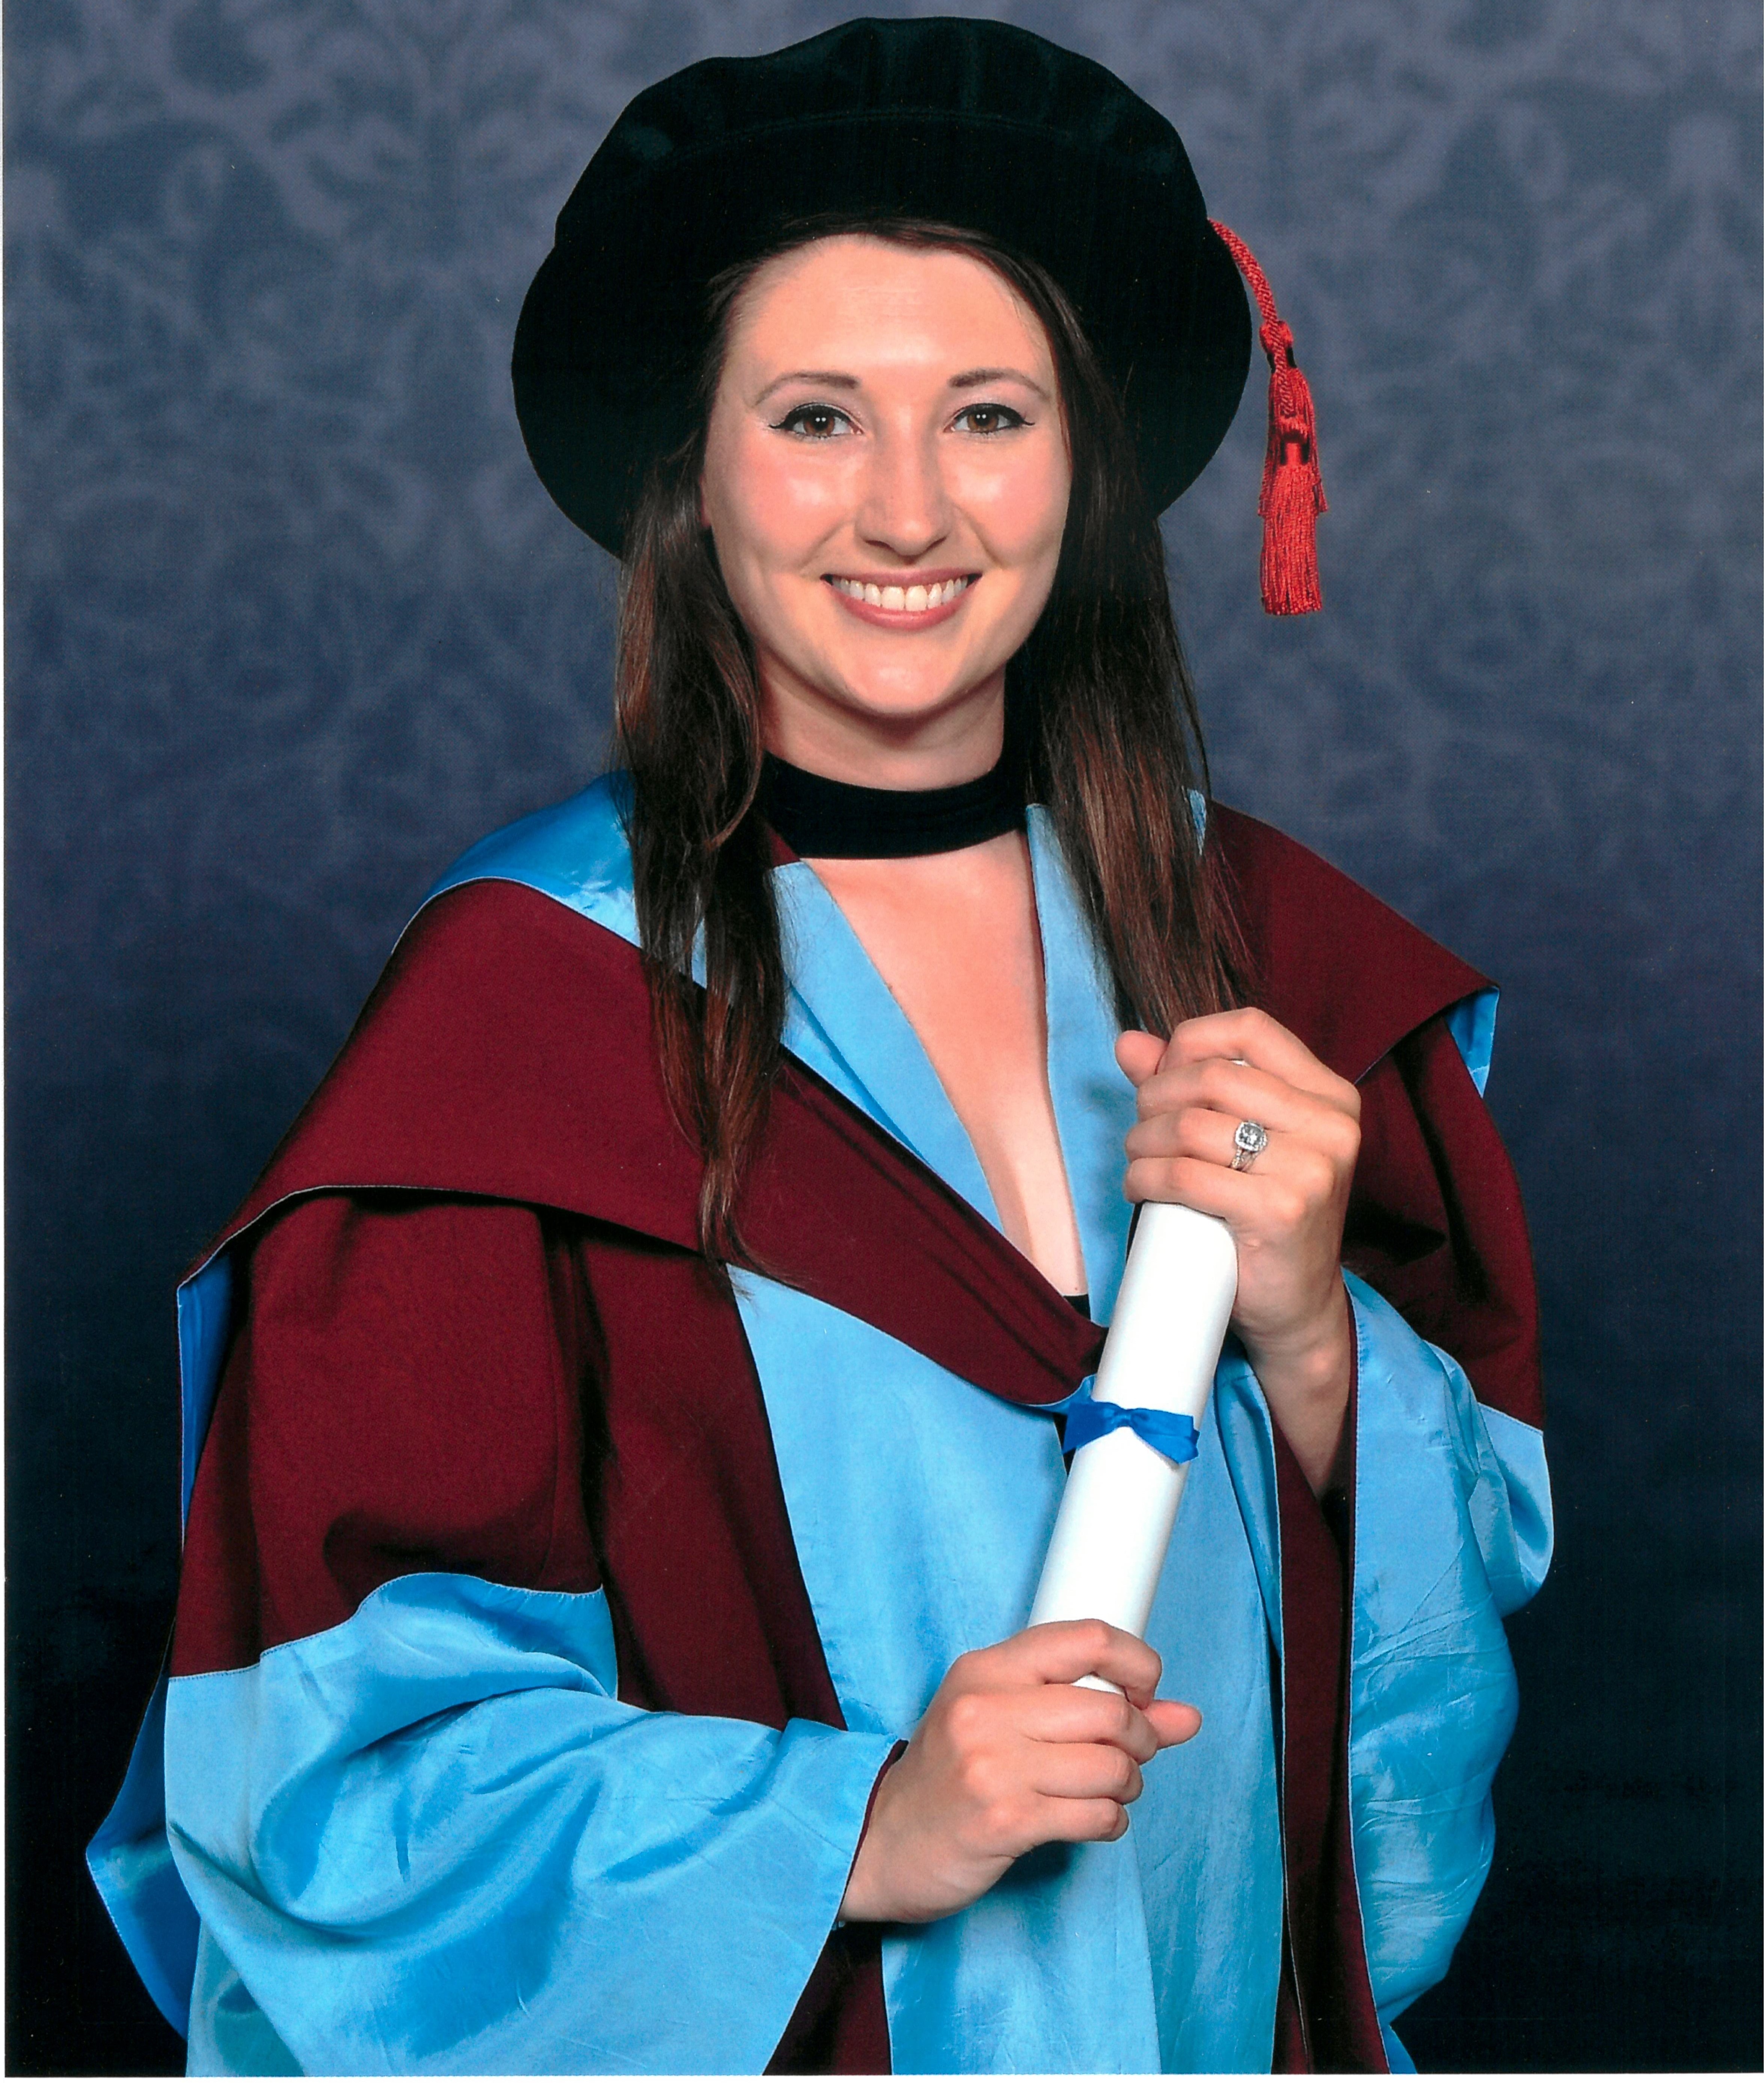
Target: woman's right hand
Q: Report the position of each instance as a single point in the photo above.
(1012, 1754)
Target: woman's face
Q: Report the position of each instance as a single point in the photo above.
(886, 480)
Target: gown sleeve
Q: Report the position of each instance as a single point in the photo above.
(1450, 1525)
(420, 1828)
(1451, 1532)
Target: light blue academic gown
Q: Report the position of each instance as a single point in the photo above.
(432, 1839)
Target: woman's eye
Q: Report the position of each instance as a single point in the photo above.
(818, 422)
(988, 419)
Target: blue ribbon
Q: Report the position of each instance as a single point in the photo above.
(1171, 1434)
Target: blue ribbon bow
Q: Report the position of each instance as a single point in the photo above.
(1167, 1431)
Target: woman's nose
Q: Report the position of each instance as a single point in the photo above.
(905, 506)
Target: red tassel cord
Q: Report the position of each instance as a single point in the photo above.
(1291, 477)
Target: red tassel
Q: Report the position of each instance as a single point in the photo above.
(1292, 476)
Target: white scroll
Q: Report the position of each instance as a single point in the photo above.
(1122, 1495)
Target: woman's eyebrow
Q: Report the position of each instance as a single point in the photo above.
(839, 379)
(834, 379)
(970, 377)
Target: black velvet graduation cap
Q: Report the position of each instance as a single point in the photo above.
(969, 123)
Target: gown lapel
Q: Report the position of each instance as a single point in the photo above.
(845, 1022)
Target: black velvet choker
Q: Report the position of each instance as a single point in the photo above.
(823, 820)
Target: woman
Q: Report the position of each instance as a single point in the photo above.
(635, 1384)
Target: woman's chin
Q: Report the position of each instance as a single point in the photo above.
(895, 719)
(850, 701)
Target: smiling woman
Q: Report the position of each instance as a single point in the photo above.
(626, 1420)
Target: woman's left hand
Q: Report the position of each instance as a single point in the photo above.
(1285, 1211)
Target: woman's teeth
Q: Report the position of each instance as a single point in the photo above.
(910, 600)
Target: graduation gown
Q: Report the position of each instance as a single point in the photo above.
(551, 1601)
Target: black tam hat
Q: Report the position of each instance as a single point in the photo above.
(972, 124)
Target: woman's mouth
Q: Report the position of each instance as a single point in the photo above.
(897, 607)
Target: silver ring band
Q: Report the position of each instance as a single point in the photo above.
(1251, 1140)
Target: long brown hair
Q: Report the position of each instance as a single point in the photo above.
(1100, 703)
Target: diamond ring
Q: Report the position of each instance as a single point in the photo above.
(1251, 1140)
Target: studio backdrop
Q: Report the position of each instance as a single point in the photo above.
(289, 621)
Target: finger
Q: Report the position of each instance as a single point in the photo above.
(1058, 1821)
(1256, 1037)
(1080, 1714)
(1286, 1167)
(1173, 1722)
(1256, 1206)
(1139, 1053)
(1246, 1093)
(1060, 1652)
(1211, 1137)
(1084, 1771)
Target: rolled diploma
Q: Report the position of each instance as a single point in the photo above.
(1121, 1497)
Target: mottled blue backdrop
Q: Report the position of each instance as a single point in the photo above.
(289, 621)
